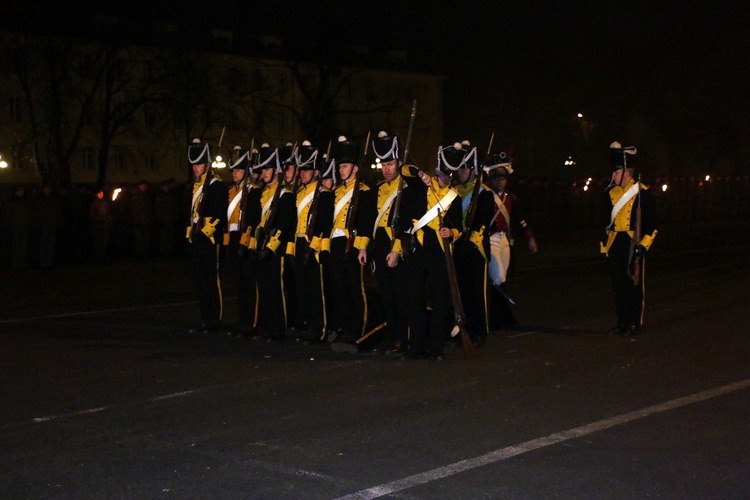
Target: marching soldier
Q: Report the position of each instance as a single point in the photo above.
(385, 252)
(312, 227)
(472, 252)
(439, 224)
(507, 221)
(243, 216)
(276, 228)
(631, 229)
(208, 212)
(350, 236)
(288, 158)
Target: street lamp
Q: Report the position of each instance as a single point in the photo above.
(3, 163)
(218, 163)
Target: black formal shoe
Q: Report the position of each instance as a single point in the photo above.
(271, 336)
(205, 328)
(410, 356)
(197, 330)
(478, 341)
(240, 332)
(618, 330)
(630, 331)
(398, 348)
(349, 347)
(436, 356)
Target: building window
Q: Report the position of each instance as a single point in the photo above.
(148, 71)
(149, 120)
(88, 159)
(151, 162)
(87, 66)
(16, 110)
(120, 160)
(16, 157)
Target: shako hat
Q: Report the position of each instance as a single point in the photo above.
(472, 156)
(198, 152)
(307, 156)
(240, 158)
(499, 163)
(287, 154)
(268, 157)
(346, 151)
(385, 147)
(327, 167)
(451, 158)
(621, 157)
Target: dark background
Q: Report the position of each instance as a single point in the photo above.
(668, 77)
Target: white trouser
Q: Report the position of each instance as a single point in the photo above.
(499, 258)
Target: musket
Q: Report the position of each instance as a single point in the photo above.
(472, 211)
(351, 214)
(458, 308)
(265, 231)
(395, 220)
(312, 215)
(243, 204)
(637, 238)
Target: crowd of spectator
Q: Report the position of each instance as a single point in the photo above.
(42, 227)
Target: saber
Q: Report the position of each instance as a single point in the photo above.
(504, 294)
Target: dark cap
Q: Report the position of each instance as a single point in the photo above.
(621, 157)
(385, 147)
(346, 151)
(307, 156)
(198, 152)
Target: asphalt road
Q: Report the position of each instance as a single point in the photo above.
(104, 395)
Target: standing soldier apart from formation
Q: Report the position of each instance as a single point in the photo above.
(208, 212)
(428, 284)
(243, 216)
(472, 252)
(508, 221)
(276, 229)
(630, 231)
(386, 246)
(349, 239)
(313, 225)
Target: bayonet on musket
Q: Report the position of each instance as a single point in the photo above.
(395, 220)
(351, 214)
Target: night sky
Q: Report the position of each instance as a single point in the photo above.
(673, 73)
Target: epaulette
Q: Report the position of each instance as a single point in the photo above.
(409, 170)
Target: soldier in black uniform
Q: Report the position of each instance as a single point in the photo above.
(243, 216)
(276, 229)
(438, 224)
(472, 252)
(290, 181)
(385, 248)
(350, 236)
(626, 201)
(312, 227)
(208, 212)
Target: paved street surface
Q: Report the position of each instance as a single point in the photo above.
(105, 395)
